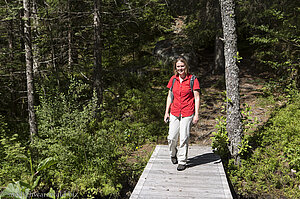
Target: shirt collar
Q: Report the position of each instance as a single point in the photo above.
(188, 76)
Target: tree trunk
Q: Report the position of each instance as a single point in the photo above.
(10, 39)
(53, 50)
(219, 64)
(35, 48)
(98, 52)
(70, 42)
(11, 69)
(29, 69)
(21, 30)
(234, 125)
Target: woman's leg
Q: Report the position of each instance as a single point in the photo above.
(185, 128)
(173, 134)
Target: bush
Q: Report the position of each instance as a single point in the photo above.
(88, 155)
(92, 155)
(12, 167)
(273, 169)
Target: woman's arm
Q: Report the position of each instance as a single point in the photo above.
(168, 104)
(197, 106)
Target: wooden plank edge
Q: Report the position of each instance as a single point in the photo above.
(225, 184)
(139, 186)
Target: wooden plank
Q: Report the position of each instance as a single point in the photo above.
(188, 184)
(224, 181)
(138, 188)
(151, 193)
(204, 178)
(181, 189)
(180, 196)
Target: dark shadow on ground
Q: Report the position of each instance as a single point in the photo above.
(202, 159)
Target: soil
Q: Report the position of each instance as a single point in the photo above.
(252, 81)
(212, 96)
(213, 90)
(212, 100)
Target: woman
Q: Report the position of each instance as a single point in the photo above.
(184, 110)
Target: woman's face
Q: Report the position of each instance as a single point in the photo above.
(180, 67)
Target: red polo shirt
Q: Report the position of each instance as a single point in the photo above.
(184, 102)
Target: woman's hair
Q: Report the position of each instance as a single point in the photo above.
(180, 59)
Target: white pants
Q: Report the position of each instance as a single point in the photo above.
(179, 126)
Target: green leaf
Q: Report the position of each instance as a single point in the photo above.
(15, 190)
(8, 18)
(24, 184)
(51, 193)
(46, 163)
(36, 182)
(22, 157)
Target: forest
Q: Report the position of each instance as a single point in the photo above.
(83, 93)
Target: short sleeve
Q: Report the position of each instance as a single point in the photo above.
(196, 84)
(170, 82)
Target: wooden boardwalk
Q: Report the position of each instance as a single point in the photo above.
(204, 177)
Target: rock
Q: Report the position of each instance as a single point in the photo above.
(167, 51)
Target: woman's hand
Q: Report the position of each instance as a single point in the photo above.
(195, 119)
(167, 117)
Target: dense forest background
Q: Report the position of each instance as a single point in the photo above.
(99, 88)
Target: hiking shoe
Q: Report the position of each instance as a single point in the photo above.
(174, 160)
(181, 167)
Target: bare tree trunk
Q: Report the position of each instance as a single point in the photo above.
(70, 43)
(11, 69)
(35, 48)
(29, 69)
(219, 46)
(53, 51)
(98, 52)
(213, 16)
(21, 30)
(219, 63)
(10, 39)
(234, 125)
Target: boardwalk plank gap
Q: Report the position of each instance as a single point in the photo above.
(204, 177)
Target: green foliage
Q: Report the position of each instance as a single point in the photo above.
(200, 34)
(220, 139)
(15, 190)
(238, 57)
(248, 123)
(275, 36)
(71, 135)
(273, 167)
(201, 24)
(156, 16)
(12, 167)
(17, 165)
(91, 155)
(21, 189)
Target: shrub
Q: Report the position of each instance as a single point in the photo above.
(273, 169)
(12, 167)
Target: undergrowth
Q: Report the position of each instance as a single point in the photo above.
(273, 168)
(270, 164)
(93, 158)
